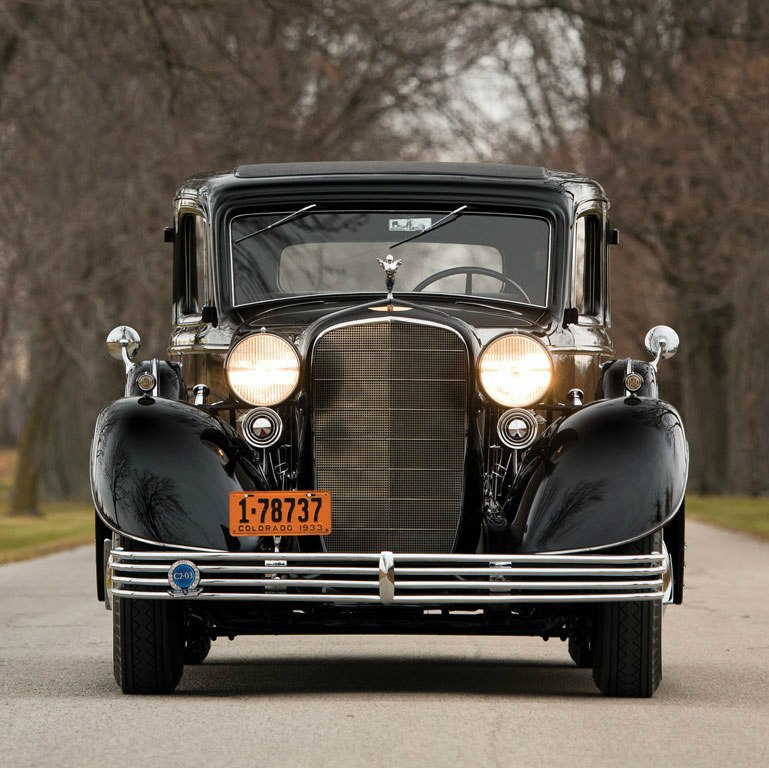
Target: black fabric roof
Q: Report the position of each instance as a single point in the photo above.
(497, 170)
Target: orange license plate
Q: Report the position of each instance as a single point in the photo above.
(279, 513)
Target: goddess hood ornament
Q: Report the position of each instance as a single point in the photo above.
(390, 266)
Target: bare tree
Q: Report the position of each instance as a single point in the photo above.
(665, 102)
(105, 107)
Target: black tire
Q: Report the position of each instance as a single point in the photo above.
(147, 645)
(198, 642)
(627, 640)
(581, 649)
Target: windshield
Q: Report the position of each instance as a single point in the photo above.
(491, 255)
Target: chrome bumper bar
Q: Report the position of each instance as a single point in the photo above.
(392, 579)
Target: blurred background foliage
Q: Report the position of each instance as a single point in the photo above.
(105, 107)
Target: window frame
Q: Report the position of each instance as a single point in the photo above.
(593, 308)
(192, 265)
(527, 213)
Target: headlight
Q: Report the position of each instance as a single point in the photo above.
(515, 370)
(263, 369)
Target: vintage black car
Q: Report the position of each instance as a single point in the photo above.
(390, 405)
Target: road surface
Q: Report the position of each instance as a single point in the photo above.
(387, 701)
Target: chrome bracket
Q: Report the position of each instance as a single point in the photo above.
(107, 554)
(386, 577)
(668, 580)
(129, 364)
(660, 354)
(280, 586)
(201, 392)
(629, 371)
(505, 587)
(575, 396)
(123, 343)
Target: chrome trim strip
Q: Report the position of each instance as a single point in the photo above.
(182, 349)
(582, 349)
(222, 555)
(389, 319)
(256, 582)
(290, 571)
(299, 571)
(566, 598)
(219, 569)
(586, 585)
(111, 526)
(386, 584)
(427, 600)
(549, 572)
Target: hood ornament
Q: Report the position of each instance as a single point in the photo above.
(390, 266)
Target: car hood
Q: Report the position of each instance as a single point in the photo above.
(486, 318)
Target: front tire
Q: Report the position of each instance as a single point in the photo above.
(581, 649)
(627, 640)
(148, 640)
(198, 643)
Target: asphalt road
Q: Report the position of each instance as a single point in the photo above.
(391, 701)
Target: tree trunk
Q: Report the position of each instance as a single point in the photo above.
(705, 398)
(749, 382)
(46, 369)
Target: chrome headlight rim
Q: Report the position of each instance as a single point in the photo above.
(271, 402)
(252, 438)
(517, 404)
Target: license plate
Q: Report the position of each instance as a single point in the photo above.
(279, 513)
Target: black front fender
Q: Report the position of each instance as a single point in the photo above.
(612, 472)
(162, 471)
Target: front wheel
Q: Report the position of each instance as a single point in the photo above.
(581, 649)
(627, 640)
(198, 643)
(147, 645)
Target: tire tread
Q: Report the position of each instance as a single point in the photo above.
(628, 640)
(147, 646)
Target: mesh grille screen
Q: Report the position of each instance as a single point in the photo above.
(389, 419)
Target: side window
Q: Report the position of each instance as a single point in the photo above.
(587, 264)
(194, 253)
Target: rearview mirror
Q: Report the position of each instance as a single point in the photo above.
(123, 342)
(662, 343)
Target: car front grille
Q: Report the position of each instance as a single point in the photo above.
(389, 418)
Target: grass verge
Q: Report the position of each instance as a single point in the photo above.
(749, 515)
(62, 525)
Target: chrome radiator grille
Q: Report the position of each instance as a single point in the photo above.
(389, 419)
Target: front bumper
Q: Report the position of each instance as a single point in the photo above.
(393, 579)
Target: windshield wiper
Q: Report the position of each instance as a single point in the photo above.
(290, 218)
(457, 212)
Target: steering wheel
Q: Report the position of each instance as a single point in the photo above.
(469, 271)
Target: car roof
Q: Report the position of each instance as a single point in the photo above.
(382, 167)
(245, 177)
(498, 170)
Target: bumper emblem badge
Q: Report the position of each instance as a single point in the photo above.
(184, 577)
